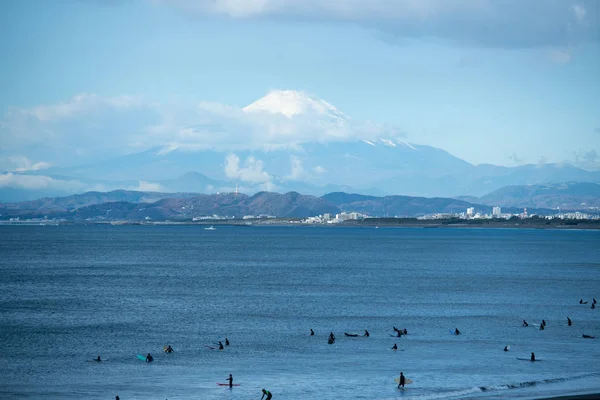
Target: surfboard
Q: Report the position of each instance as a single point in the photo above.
(452, 332)
(141, 357)
(406, 381)
(351, 334)
(94, 360)
(528, 359)
(227, 384)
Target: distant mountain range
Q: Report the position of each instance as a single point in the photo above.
(384, 166)
(136, 205)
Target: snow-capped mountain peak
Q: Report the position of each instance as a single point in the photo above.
(291, 103)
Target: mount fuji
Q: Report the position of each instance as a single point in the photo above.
(291, 141)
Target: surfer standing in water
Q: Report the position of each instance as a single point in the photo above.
(401, 381)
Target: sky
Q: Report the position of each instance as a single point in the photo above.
(506, 82)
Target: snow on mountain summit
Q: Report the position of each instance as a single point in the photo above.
(291, 103)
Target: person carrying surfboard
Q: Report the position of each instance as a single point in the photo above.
(401, 381)
(265, 392)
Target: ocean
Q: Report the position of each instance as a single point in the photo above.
(71, 293)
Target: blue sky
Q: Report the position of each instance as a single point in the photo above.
(491, 81)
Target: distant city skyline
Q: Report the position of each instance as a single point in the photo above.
(500, 82)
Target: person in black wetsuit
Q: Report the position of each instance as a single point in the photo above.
(525, 323)
(401, 381)
(394, 347)
(542, 327)
(366, 333)
(505, 348)
(588, 336)
(544, 322)
(226, 342)
(169, 349)
(405, 331)
(221, 346)
(532, 356)
(456, 331)
(265, 392)
(593, 306)
(230, 379)
(569, 321)
(149, 358)
(312, 333)
(98, 359)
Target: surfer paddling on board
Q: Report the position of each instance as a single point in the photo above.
(366, 333)
(588, 336)
(230, 379)
(505, 348)
(401, 381)
(265, 392)
(98, 359)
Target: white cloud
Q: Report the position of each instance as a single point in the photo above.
(88, 128)
(251, 172)
(319, 170)
(12, 180)
(25, 164)
(144, 186)
(560, 56)
(495, 23)
(297, 169)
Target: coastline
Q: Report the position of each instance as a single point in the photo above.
(574, 397)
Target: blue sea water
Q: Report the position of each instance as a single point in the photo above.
(71, 293)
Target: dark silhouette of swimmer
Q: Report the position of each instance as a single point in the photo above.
(456, 331)
(525, 323)
(312, 333)
(544, 322)
(221, 346)
(569, 321)
(532, 356)
(230, 379)
(405, 331)
(169, 349)
(593, 300)
(331, 336)
(580, 301)
(117, 398)
(226, 342)
(265, 392)
(588, 336)
(505, 348)
(593, 306)
(149, 358)
(98, 359)
(394, 347)
(366, 333)
(401, 381)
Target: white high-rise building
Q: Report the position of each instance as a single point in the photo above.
(496, 211)
(470, 212)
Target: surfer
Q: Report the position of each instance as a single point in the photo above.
(532, 356)
(544, 322)
(331, 336)
(593, 300)
(230, 379)
(569, 321)
(265, 392)
(394, 347)
(395, 329)
(505, 348)
(366, 333)
(221, 346)
(401, 381)
(312, 333)
(169, 349)
(405, 331)
(593, 306)
(149, 358)
(541, 327)
(117, 398)
(456, 331)
(226, 342)
(98, 359)
(588, 336)
(525, 323)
